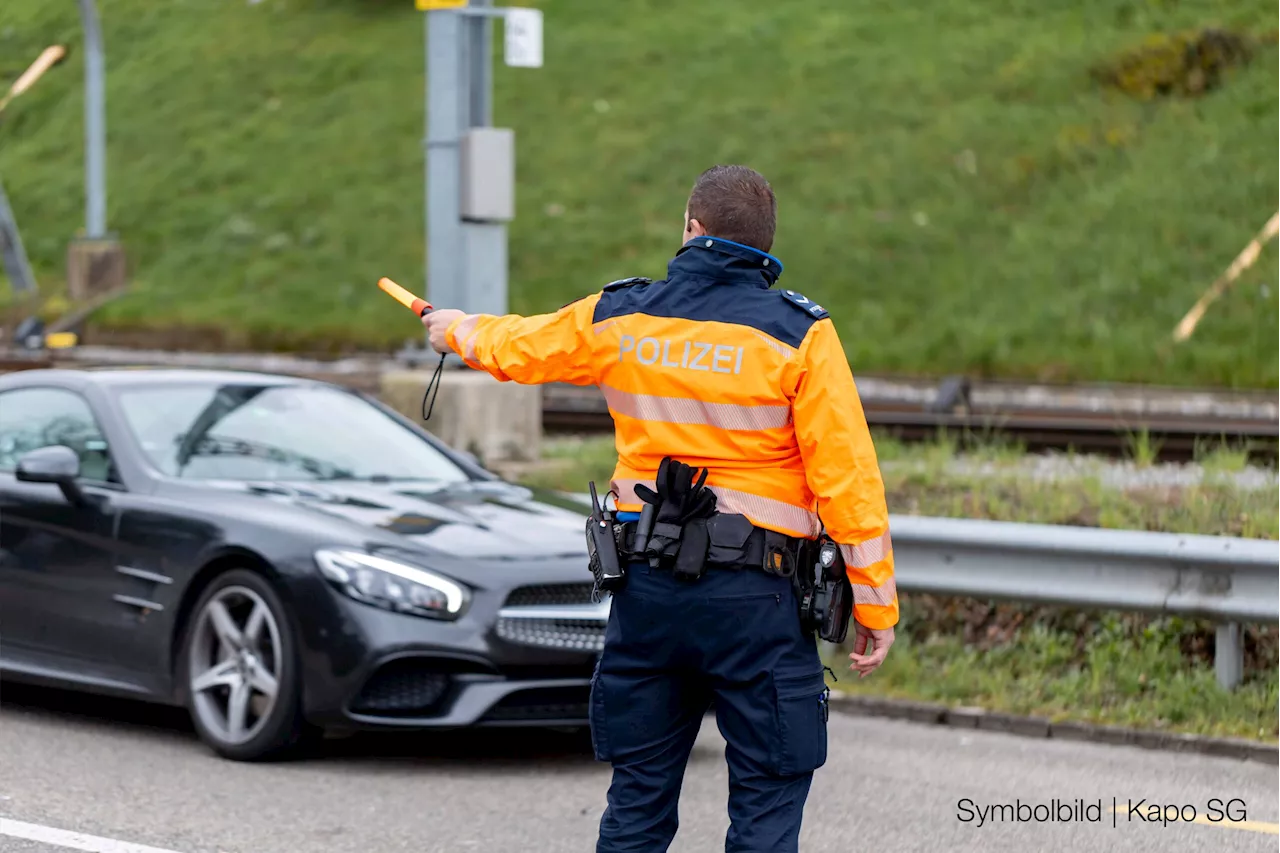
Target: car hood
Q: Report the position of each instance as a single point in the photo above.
(488, 520)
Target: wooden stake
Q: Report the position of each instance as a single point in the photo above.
(1242, 262)
(50, 57)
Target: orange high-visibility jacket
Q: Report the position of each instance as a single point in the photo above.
(714, 368)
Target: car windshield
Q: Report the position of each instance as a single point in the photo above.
(276, 432)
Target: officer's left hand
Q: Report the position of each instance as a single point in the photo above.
(437, 323)
(864, 663)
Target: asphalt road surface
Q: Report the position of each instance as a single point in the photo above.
(83, 773)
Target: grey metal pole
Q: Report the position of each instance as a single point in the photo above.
(484, 243)
(444, 112)
(95, 125)
(12, 254)
(480, 62)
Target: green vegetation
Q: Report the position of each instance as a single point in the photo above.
(920, 480)
(1101, 668)
(961, 184)
(1119, 668)
(1143, 449)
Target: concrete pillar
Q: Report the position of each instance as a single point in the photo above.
(94, 267)
(499, 422)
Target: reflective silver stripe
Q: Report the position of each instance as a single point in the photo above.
(768, 511)
(763, 511)
(685, 410)
(867, 554)
(465, 336)
(882, 595)
(780, 349)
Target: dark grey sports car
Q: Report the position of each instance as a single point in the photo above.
(280, 556)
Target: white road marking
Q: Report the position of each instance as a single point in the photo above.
(71, 840)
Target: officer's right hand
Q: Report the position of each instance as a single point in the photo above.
(437, 323)
(864, 663)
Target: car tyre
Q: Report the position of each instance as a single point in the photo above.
(239, 671)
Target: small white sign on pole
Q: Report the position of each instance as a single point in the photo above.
(522, 45)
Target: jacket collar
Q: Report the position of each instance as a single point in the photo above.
(725, 260)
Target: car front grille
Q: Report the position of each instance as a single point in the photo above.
(542, 704)
(554, 616)
(574, 634)
(550, 594)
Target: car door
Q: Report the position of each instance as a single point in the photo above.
(57, 557)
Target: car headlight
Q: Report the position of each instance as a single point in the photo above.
(391, 584)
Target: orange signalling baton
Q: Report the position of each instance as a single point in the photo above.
(418, 306)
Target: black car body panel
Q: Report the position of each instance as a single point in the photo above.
(94, 595)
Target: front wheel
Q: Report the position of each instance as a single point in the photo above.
(239, 669)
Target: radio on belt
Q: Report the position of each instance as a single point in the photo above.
(602, 548)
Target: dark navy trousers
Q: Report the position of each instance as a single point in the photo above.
(672, 650)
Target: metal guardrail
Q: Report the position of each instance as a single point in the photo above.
(1226, 579)
(1222, 578)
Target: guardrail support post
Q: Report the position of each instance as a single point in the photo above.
(1228, 655)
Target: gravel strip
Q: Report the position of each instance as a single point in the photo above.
(1117, 474)
(1108, 399)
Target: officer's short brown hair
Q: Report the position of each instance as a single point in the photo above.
(735, 203)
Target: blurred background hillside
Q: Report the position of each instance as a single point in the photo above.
(995, 187)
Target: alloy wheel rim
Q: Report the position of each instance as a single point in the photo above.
(235, 666)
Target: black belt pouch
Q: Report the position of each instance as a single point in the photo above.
(730, 541)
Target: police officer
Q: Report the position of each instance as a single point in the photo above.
(714, 369)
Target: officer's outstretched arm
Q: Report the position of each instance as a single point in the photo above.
(843, 472)
(529, 350)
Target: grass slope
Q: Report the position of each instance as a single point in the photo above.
(953, 185)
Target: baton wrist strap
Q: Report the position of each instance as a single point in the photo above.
(433, 389)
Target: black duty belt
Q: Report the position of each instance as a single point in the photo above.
(734, 543)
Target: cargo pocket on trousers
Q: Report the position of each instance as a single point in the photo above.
(597, 719)
(802, 723)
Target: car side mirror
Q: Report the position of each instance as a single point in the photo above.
(58, 465)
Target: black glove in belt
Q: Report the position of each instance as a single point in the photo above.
(678, 498)
(678, 501)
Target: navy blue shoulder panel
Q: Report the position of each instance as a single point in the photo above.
(771, 311)
(627, 282)
(805, 304)
(613, 285)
